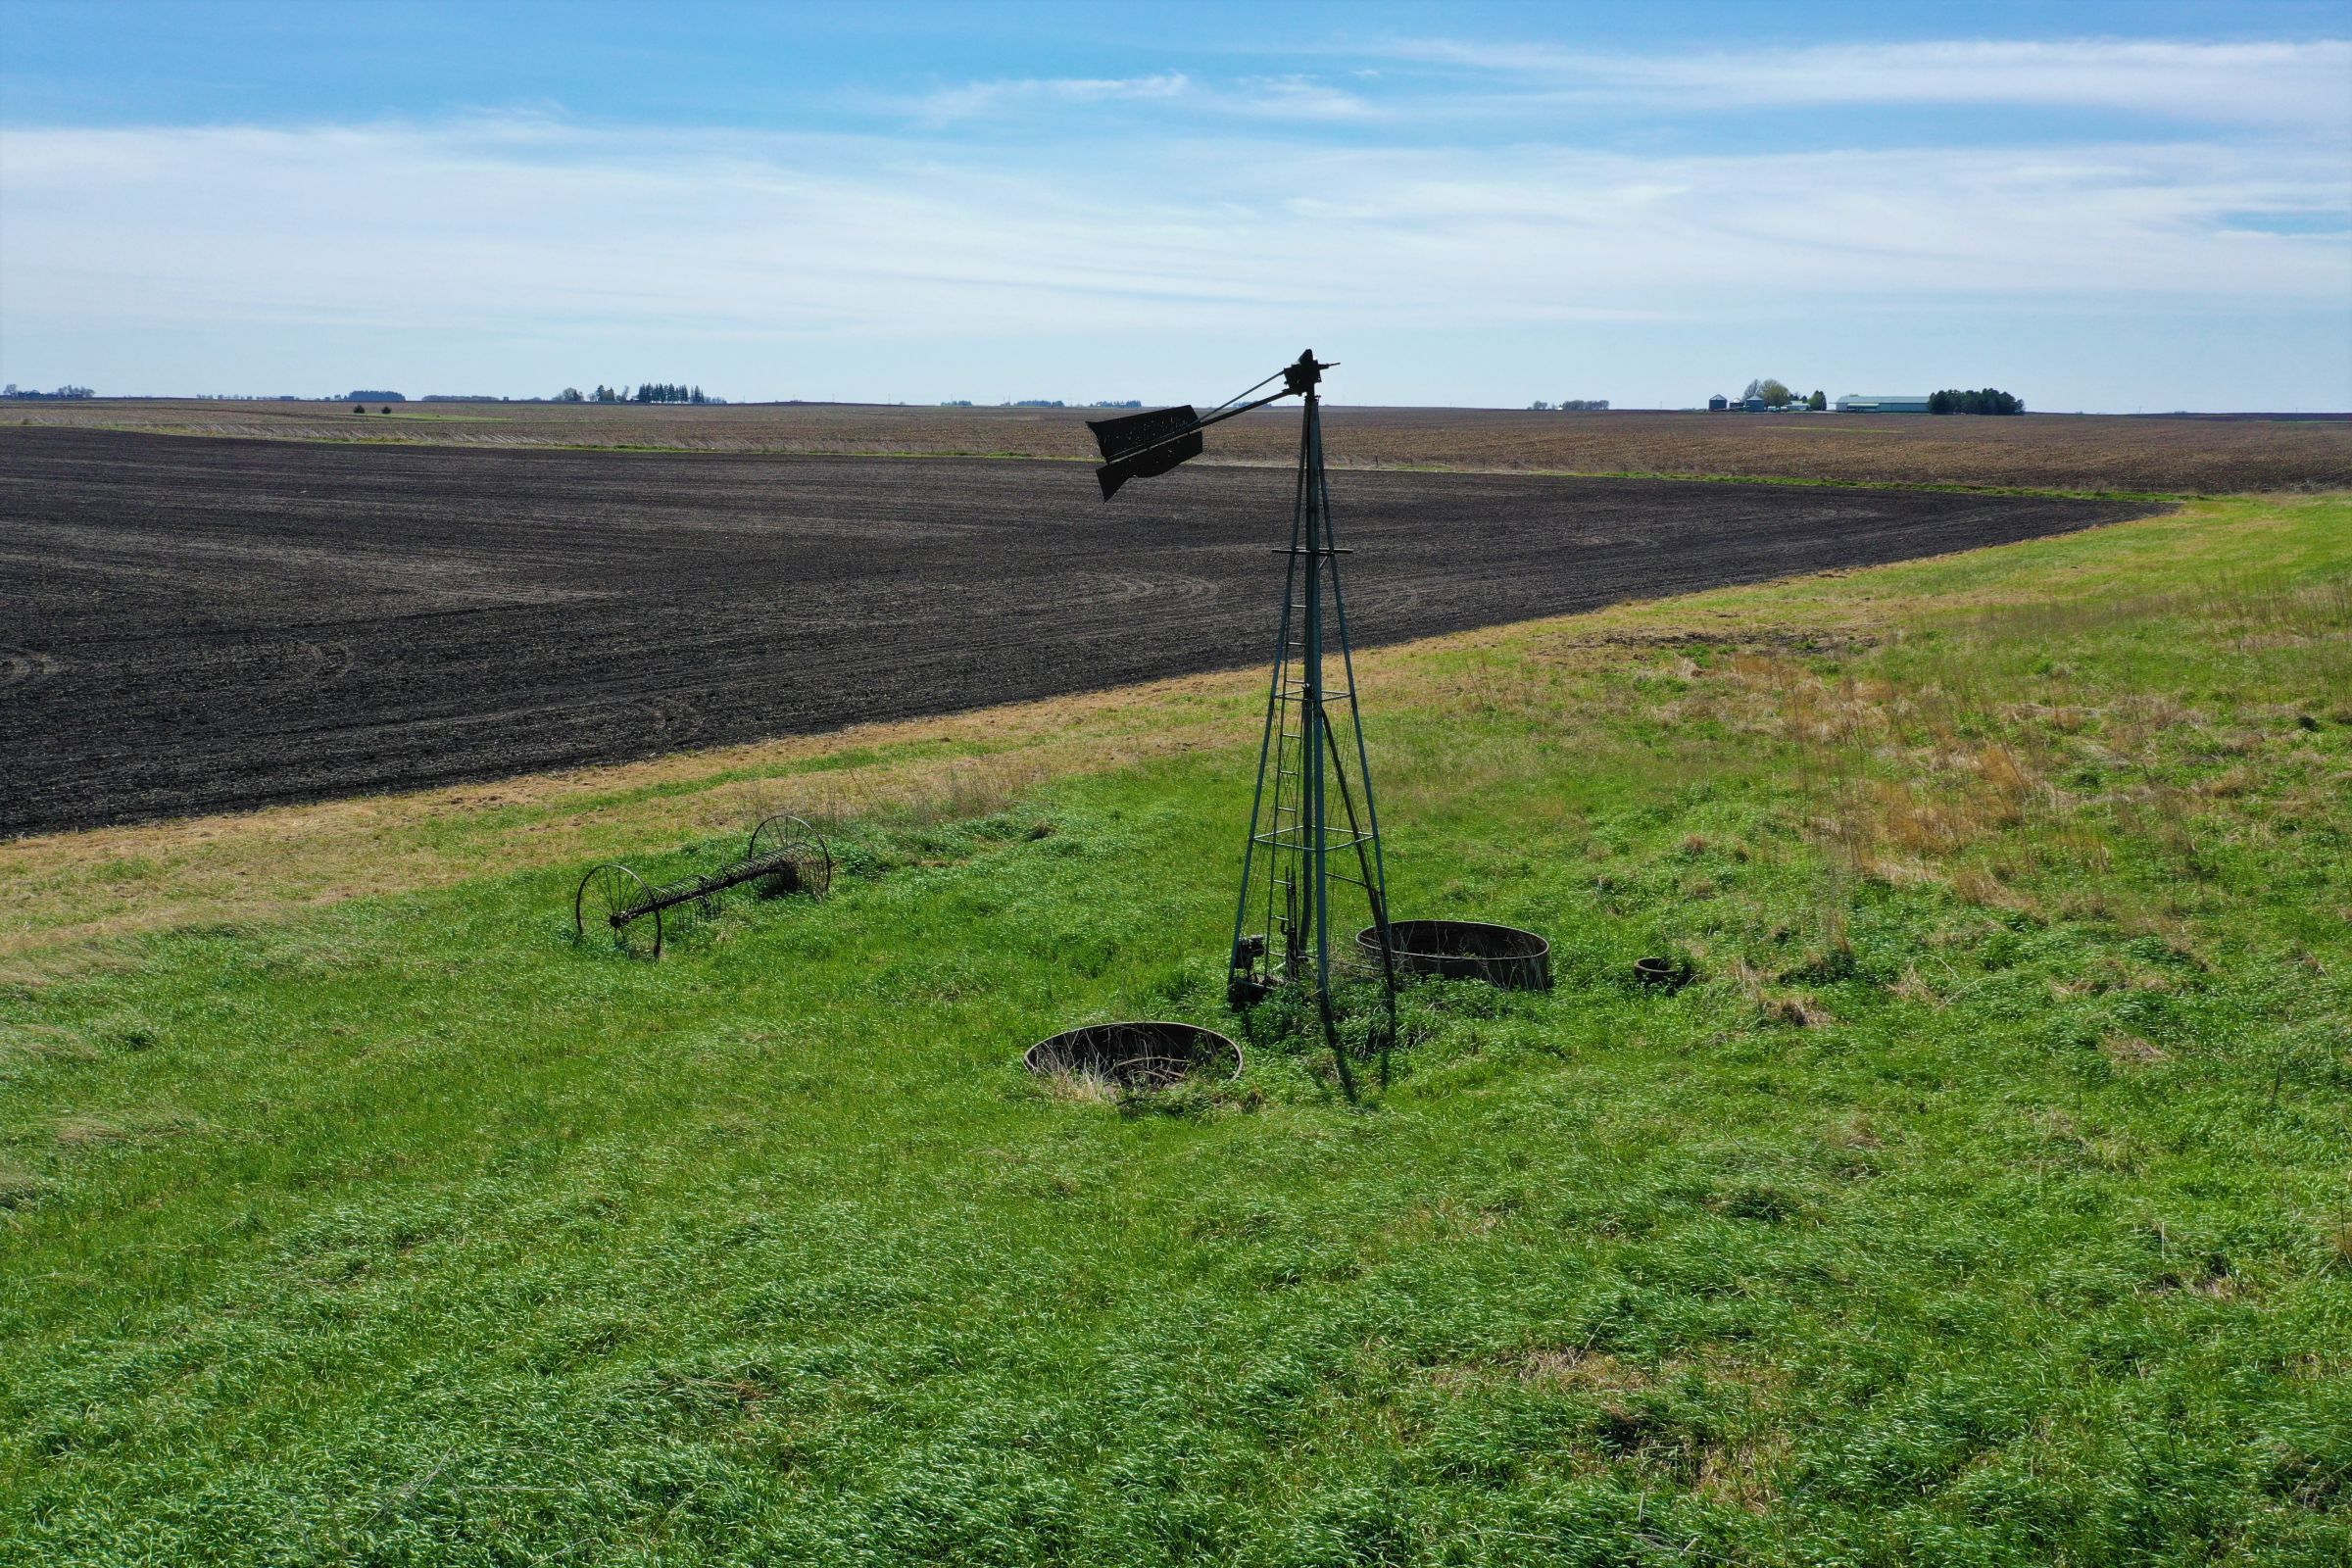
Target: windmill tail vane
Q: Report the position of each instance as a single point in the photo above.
(1298, 851)
(1140, 446)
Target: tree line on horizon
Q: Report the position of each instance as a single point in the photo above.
(1986, 400)
(646, 392)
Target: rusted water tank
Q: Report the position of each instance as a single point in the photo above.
(1464, 949)
(1137, 1056)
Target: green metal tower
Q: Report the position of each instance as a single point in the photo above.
(1299, 852)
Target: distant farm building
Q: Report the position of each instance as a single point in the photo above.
(1882, 403)
(1752, 405)
(1718, 403)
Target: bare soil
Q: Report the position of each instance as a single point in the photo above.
(203, 625)
(2173, 455)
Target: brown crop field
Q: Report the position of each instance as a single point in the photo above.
(203, 625)
(2097, 452)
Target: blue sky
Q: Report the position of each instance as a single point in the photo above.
(2098, 207)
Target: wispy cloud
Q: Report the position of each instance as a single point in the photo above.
(975, 99)
(1274, 98)
(2270, 82)
(535, 225)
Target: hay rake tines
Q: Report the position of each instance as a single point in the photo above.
(785, 855)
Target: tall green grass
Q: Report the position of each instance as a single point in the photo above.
(1983, 1200)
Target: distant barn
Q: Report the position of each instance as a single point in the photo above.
(1882, 403)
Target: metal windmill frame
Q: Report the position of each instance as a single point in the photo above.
(1314, 740)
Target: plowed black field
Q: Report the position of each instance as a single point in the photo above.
(195, 626)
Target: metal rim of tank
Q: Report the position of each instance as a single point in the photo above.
(1149, 1053)
(1503, 956)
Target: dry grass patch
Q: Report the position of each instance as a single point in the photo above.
(1775, 1004)
(39, 1040)
(1740, 1467)
(1589, 1371)
(1076, 1087)
(85, 1131)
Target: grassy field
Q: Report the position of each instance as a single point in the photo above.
(2075, 453)
(1983, 1200)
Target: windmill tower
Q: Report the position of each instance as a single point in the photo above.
(1303, 864)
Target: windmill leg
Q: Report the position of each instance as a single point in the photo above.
(1376, 893)
(1387, 975)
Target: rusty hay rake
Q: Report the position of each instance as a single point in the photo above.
(786, 855)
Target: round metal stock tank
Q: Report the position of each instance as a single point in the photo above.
(1464, 949)
(1138, 1056)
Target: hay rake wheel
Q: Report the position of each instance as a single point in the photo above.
(807, 866)
(615, 899)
